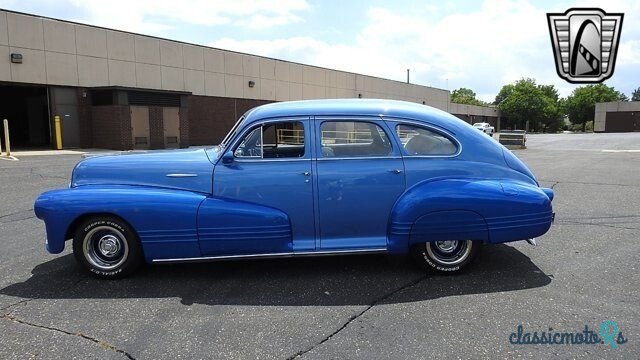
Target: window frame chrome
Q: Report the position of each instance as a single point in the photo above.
(447, 134)
(233, 145)
(394, 153)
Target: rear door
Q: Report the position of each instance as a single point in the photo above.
(360, 175)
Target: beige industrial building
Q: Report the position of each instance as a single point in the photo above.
(617, 116)
(119, 90)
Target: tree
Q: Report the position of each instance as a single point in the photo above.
(527, 101)
(581, 104)
(465, 96)
(503, 94)
(635, 95)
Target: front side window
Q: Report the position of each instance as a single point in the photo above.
(273, 141)
(353, 138)
(417, 140)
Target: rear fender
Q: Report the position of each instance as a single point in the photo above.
(492, 211)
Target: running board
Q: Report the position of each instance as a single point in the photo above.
(273, 255)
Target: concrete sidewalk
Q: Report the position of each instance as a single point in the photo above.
(19, 153)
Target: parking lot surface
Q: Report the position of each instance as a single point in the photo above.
(584, 271)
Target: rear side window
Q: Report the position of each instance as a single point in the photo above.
(417, 140)
(353, 138)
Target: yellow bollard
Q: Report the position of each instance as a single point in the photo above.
(58, 127)
(7, 142)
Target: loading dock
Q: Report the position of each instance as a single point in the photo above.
(26, 109)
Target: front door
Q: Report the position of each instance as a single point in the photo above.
(271, 168)
(360, 175)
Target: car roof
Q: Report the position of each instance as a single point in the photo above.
(356, 107)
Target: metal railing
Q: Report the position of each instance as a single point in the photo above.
(290, 136)
(296, 136)
(346, 137)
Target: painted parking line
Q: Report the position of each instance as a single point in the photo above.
(621, 151)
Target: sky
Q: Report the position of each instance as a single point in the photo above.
(480, 45)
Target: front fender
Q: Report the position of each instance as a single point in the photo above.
(156, 214)
(493, 211)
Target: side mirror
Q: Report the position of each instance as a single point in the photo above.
(227, 158)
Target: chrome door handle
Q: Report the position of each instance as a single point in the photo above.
(181, 175)
(396, 171)
(306, 173)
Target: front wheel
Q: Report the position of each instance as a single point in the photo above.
(107, 247)
(447, 256)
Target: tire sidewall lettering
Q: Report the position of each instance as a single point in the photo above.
(93, 224)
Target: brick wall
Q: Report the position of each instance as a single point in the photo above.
(84, 117)
(184, 126)
(156, 128)
(204, 120)
(622, 121)
(111, 127)
(210, 117)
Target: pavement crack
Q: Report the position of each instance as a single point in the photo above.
(24, 301)
(555, 182)
(33, 171)
(18, 219)
(15, 213)
(567, 222)
(102, 343)
(356, 316)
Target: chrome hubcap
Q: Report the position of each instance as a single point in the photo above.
(105, 247)
(109, 245)
(447, 246)
(449, 252)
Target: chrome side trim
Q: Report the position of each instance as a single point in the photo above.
(359, 158)
(261, 160)
(274, 255)
(181, 175)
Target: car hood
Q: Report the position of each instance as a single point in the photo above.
(186, 169)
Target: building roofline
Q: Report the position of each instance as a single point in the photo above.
(211, 47)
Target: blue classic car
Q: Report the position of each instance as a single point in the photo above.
(307, 178)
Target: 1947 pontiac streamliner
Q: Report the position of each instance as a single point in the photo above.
(320, 177)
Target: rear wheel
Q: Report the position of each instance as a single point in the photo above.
(447, 256)
(107, 247)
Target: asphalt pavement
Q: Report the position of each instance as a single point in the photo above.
(584, 271)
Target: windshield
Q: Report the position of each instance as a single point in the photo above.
(231, 133)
